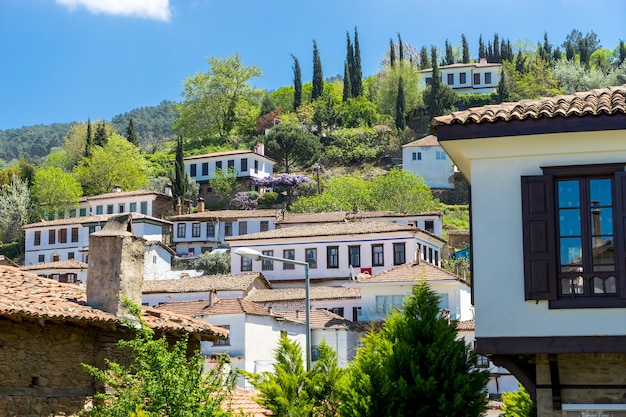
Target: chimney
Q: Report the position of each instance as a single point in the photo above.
(117, 189)
(212, 297)
(482, 61)
(270, 310)
(179, 208)
(200, 205)
(168, 189)
(355, 209)
(116, 263)
(260, 149)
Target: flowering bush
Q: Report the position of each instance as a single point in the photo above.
(243, 201)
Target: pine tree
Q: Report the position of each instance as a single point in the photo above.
(465, 48)
(481, 48)
(318, 76)
(88, 140)
(449, 54)
(400, 50)
(297, 84)
(180, 180)
(400, 106)
(356, 72)
(348, 69)
(392, 54)
(131, 134)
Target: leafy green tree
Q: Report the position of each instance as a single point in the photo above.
(292, 145)
(160, 380)
(15, 209)
(116, 163)
(267, 105)
(217, 263)
(400, 106)
(358, 112)
(54, 190)
(403, 192)
(465, 48)
(602, 60)
(421, 367)
(324, 382)
(224, 184)
(387, 95)
(518, 404)
(297, 84)
(131, 134)
(356, 73)
(318, 75)
(621, 53)
(180, 179)
(219, 102)
(536, 80)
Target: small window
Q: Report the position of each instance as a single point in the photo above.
(181, 230)
(440, 155)
(83, 212)
(378, 258)
(462, 78)
(246, 264)
(450, 79)
(74, 234)
(218, 165)
(99, 210)
(414, 156)
(429, 80)
(419, 156)
(228, 228)
(386, 303)
(223, 342)
(429, 226)
(109, 208)
(477, 79)
(143, 208)
(244, 164)
(51, 237)
(289, 254)
(195, 230)
(210, 230)
(41, 259)
(92, 229)
(243, 228)
(399, 253)
(487, 78)
(56, 258)
(37, 238)
(231, 164)
(355, 255)
(267, 264)
(132, 207)
(256, 167)
(121, 208)
(265, 225)
(311, 257)
(332, 257)
(192, 170)
(70, 255)
(337, 310)
(205, 169)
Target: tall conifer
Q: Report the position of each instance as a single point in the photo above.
(88, 139)
(318, 76)
(179, 182)
(449, 54)
(392, 54)
(400, 50)
(400, 106)
(131, 134)
(424, 59)
(348, 68)
(465, 48)
(100, 139)
(297, 84)
(357, 73)
(481, 48)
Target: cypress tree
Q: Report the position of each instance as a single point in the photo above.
(401, 50)
(100, 139)
(489, 52)
(131, 134)
(622, 53)
(481, 48)
(465, 47)
(449, 54)
(356, 73)
(496, 48)
(318, 76)
(503, 87)
(392, 54)
(424, 59)
(400, 106)
(297, 84)
(88, 139)
(348, 68)
(179, 182)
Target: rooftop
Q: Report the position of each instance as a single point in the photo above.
(343, 216)
(99, 218)
(201, 308)
(227, 282)
(430, 140)
(225, 215)
(293, 294)
(65, 264)
(226, 153)
(409, 272)
(123, 194)
(320, 319)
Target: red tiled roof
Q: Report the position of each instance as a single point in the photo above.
(295, 294)
(467, 325)
(241, 401)
(320, 319)
(430, 140)
(409, 272)
(65, 264)
(25, 296)
(611, 100)
(227, 282)
(137, 217)
(226, 153)
(123, 194)
(222, 306)
(224, 215)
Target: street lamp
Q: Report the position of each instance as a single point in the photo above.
(258, 256)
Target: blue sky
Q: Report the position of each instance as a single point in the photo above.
(69, 60)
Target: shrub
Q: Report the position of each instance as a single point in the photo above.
(267, 199)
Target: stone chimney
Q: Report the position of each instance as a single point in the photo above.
(179, 207)
(168, 189)
(117, 189)
(260, 149)
(116, 263)
(200, 205)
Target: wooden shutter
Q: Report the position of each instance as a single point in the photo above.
(539, 232)
(619, 205)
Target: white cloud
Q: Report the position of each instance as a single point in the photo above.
(149, 9)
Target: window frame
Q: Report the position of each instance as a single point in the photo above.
(332, 259)
(205, 169)
(195, 229)
(181, 230)
(450, 79)
(378, 258)
(264, 225)
(75, 234)
(267, 264)
(396, 253)
(246, 264)
(488, 78)
(37, 238)
(193, 170)
(289, 254)
(209, 227)
(351, 256)
(477, 78)
(243, 228)
(228, 229)
(462, 78)
(312, 261)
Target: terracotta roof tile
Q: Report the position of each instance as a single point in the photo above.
(25, 296)
(241, 401)
(467, 325)
(343, 216)
(334, 229)
(201, 308)
(430, 140)
(320, 319)
(409, 272)
(225, 215)
(65, 264)
(133, 193)
(293, 294)
(235, 282)
(611, 100)
(89, 219)
(226, 153)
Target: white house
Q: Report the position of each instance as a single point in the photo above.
(204, 231)
(157, 260)
(426, 158)
(548, 243)
(473, 78)
(335, 252)
(70, 271)
(147, 202)
(245, 164)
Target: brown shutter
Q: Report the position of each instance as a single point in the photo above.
(619, 205)
(539, 232)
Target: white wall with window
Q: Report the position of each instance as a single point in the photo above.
(473, 78)
(426, 158)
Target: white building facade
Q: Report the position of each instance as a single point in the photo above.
(473, 78)
(426, 158)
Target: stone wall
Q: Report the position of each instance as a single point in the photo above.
(602, 370)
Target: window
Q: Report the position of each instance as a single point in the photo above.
(378, 258)
(414, 156)
(332, 257)
(56, 257)
(210, 230)
(132, 207)
(205, 169)
(181, 230)
(192, 170)
(74, 234)
(37, 238)
(223, 342)
(450, 79)
(440, 155)
(51, 237)
(218, 165)
(92, 229)
(70, 255)
(120, 208)
(487, 78)
(311, 257)
(419, 156)
(41, 259)
(354, 253)
(572, 256)
(477, 79)
(98, 209)
(266, 264)
(228, 228)
(243, 228)
(289, 254)
(256, 167)
(429, 226)
(109, 208)
(83, 212)
(399, 253)
(265, 225)
(429, 80)
(231, 164)
(462, 78)
(246, 264)
(385, 303)
(336, 310)
(244, 164)
(143, 207)
(195, 229)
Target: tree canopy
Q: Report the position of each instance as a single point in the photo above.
(292, 145)
(55, 190)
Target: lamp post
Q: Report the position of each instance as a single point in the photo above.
(258, 256)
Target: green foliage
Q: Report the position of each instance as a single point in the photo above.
(354, 146)
(131, 133)
(153, 124)
(438, 97)
(292, 145)
(268, 199)
(224, 183)
(15, 208)
(54, 190)
(161, 380)
(416, 366)
(284, 97)
(573, 77)
(387, 89)
(456, 217)
(179, 179)
(116, 163)
(518, 404)
(358, 112)
(11, 250)
(318, 75)
(214, 263)
(220, 101)
(32, 141)
(532, 80)
(400, 106)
